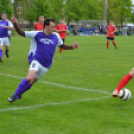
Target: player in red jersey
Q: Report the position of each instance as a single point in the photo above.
(110, 34)
(40, 25)
(61, 29)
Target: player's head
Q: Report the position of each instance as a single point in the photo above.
(110, 22)
(41, 18)
(62, 21)
(49, 25)
(3, 16)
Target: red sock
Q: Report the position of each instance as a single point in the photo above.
(107, 44)
(124, 81)
(114, 43)
(60, 50)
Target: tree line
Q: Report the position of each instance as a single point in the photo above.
(119, 11)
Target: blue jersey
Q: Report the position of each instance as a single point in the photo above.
(4, 31)
(43, 47)
(68, 27)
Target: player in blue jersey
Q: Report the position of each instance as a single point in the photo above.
(42, 58)
(5, 26)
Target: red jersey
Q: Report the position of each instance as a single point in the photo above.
(62, 33)
(38, 26)
(110, 29)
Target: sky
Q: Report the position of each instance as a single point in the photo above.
(133, 1)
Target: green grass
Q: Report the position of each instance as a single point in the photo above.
(57, 109)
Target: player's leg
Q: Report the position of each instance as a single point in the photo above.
(114, 43)
(60, 49)
(35, 73)
(1, 50)
(107, 43)
(7, 43)
(124, 81)
(24, 85)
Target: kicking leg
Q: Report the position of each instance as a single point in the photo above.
(124, 81)
(24, 85)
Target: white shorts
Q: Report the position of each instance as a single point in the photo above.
(35, 65)
(4, 41)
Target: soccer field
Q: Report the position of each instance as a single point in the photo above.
(74, 97)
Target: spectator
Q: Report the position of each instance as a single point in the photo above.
(91, 30)
(68, 27)
(88, 32)
(95, 30)
(100, 27)
(129, 31)
(74, 31)
(80, 31)
(120, 31)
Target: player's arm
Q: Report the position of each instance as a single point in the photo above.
(114, 30)
(68, 47)
(10, 26)
(64, 46)
(66, 29)
(17, 27)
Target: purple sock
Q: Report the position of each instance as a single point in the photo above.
(23, 86)
(1, 53)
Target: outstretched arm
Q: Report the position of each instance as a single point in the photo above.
(68, 47)
(17, 27)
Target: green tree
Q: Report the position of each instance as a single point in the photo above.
(48, 8)
(118, 10)
(6, 7)
(77, 10)
(17, 7)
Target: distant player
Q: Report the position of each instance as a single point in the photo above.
(110, 34)
(5, 26)
(46, 41)
(40, 25)
(61, 29)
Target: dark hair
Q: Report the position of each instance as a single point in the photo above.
(47, 22)
(41, 16)
(3, 13)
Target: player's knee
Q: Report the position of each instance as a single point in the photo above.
(30, 78)
(132, 72)
(0, 47)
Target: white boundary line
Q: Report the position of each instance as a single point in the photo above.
(51, 104)
(61, 85)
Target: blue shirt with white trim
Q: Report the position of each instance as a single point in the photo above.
(43, 46)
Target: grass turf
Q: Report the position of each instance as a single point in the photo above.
(82, 102)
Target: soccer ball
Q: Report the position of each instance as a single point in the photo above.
(125, 94)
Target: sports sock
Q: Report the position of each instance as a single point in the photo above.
(114, 44)
(7, 51)
(1, 53)
(23, 86)
(107, 44)
(124, 81)
(60, 50)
